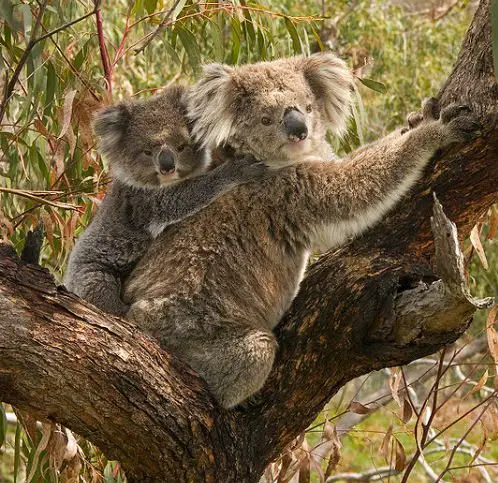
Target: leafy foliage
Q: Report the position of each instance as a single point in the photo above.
(62, 60)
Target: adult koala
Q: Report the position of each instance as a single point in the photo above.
(212, 287)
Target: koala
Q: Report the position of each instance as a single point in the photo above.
(159, 178)
(234, 268)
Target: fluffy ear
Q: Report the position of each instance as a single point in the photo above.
(332, 84)
(110, 125)
(208, 105)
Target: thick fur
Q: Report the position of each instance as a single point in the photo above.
(234, 268)
(143, 201)
(227, 106)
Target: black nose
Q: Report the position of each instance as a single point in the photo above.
(166, 161)
(295, 125)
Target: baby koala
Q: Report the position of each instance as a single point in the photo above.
(160, 177)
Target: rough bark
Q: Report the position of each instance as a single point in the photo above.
(101, 377)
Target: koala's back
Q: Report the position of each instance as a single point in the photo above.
(245, 239)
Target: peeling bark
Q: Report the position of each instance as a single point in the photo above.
(101, 377)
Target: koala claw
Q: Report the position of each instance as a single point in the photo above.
(251, 169)
(453, 111)
(431, 109)
(414, 119)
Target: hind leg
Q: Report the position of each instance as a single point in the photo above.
(235, 363)
(232, 357)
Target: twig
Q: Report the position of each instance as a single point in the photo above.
(10, 85)
(43, 201)
(456, 447)
(104, 54)
(160, 27)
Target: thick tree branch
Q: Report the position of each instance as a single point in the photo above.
(104, 379)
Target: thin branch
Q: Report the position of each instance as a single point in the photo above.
(160, 27)
(104, 54)
(10, 85)
(9, 88)
(39, 198)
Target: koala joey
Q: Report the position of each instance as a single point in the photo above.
(233, 269)
(159, 178)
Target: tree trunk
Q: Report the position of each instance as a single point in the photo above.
(62, 361)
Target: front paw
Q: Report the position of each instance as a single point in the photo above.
(460, 123)
(430, 112)
(249, 169)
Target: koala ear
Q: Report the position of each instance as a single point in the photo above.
(209, 105)
(110, 125)
(332, 84)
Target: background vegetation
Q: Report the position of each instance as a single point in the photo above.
(62, 59)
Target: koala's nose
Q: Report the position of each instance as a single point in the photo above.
(166, 161)
(295, 125)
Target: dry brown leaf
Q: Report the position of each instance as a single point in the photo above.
(49, 227)
(58, 161)
(67, 112)
(480, 384)
(407, 411)
(482, 445)
(41, 128)
(400, 456)
(335, 452)
(492, 413)
(493, 223)
(6, 227)
(286, 463)
(386, 444)
(46, 433)
(358, 408)
(394, 383)
(71, 139)
(476, 243)
(492, 337)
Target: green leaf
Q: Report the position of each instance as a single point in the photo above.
(172, 52)
(236, 38)
(374, 85)
(190, 44)
(178, 9)
(27, 19)
(7, 12)
(296, 41)
(150, 6)
(494, 26)
(51, 85)
(217, 37)
(17, 452)
(3, 424)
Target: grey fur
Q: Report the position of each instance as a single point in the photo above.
(143, 201)
(233, 269)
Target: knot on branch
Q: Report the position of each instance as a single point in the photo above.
(440, 311)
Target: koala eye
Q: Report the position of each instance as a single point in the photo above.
(181, 148)
(147, 152)
(309, 108)
(266, 121)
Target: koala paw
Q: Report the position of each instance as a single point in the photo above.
(460, 123)
(249, 168)
(457, 121)
(430, 112)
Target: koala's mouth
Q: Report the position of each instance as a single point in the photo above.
(168, 172)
